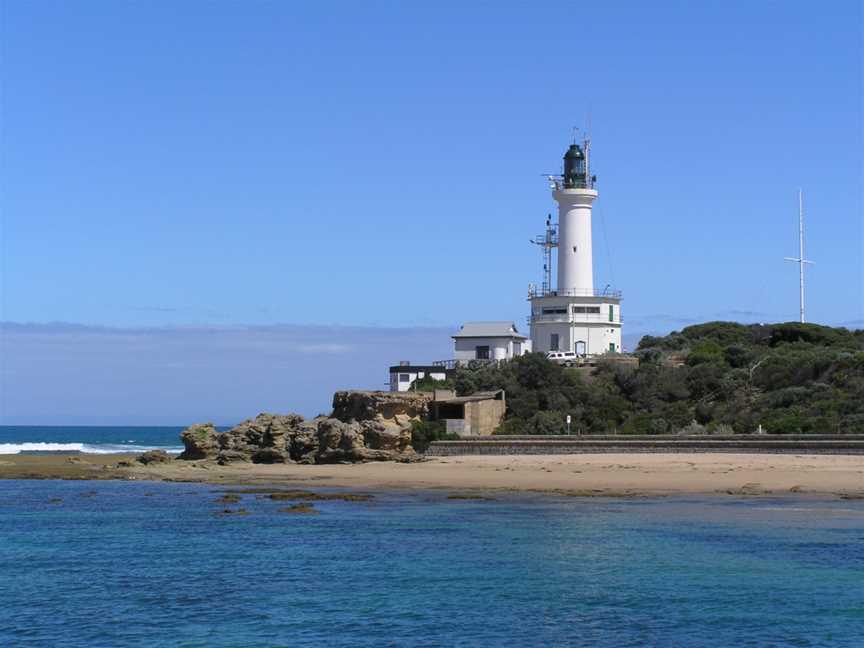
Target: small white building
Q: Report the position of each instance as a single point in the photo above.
(587, 325)
(489, 341)
(403, 374)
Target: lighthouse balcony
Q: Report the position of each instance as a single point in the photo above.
(539, 291)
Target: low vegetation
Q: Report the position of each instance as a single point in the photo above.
(425, 432)
(428, 384)
(718, 377)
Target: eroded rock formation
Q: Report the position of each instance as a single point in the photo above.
(396, 407)
(200, 441)
(264, 439)
(154, 456)
(364, 426)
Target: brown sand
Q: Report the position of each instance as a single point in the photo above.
(590, 475)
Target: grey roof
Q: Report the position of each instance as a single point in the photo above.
(489, 329)
(475, 397)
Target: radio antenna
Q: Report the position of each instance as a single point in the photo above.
(547, 241)
(801, 261)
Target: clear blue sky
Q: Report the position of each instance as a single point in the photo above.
(379, 164)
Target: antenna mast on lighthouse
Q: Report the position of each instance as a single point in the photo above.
(548, 241)
(801, 261)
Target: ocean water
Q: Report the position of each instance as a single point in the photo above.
(15, 439)
(116, 564)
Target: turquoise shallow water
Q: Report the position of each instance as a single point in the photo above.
(120, 564)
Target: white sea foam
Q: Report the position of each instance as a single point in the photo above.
(85, 448)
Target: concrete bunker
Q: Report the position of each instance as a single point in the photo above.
(478, 414)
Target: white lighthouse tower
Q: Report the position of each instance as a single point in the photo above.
(575, 317)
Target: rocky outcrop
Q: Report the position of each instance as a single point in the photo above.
(264, 439)
(396, 407)
(364, 426)
(303, 445)
(200, 441)
(339, 441)
(361, 441)
(153, 456)
(392, 438)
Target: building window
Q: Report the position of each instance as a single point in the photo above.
(612, 347)
(580, 347)
(611, 313)
(482, 353)
(553, 342)
(404, 378)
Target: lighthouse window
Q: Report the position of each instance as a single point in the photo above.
(554, 311)
(611, 313)
(587, 309)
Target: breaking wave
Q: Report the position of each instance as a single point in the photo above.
(84, 448)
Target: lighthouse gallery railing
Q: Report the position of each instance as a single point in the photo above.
(537, 291)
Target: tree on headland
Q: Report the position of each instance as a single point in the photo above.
(716, 377)
(428, 384)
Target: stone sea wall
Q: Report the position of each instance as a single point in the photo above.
(522, 445)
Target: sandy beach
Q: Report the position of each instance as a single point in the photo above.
(585, 475)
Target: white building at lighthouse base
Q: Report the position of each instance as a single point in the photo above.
(586, 324)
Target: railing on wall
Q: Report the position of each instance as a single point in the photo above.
(539, 291)
(576, 318)
(467, 364)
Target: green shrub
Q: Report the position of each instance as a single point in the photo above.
(705, 351)
(738, 356)
(428, 384)
(425, 432)
(788, 377)
(512, 426)
(547, 423)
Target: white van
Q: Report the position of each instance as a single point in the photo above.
(566, 358)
